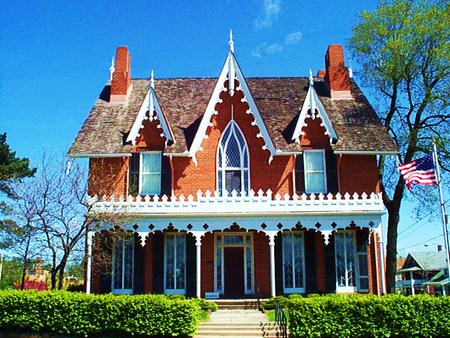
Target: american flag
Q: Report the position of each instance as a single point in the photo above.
(420, 171)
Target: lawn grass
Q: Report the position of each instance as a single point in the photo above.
(270, 315)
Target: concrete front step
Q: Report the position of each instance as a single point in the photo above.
(236, 304)
(237, 323)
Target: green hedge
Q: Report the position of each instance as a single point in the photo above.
(369, 316)
(86, 315)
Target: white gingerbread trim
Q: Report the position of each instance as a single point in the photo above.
(151, 105)
(312, 106)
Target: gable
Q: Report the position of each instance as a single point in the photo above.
(150, 110)
(226, 83)
(313, 108)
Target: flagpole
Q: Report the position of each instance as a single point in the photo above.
(444, 217)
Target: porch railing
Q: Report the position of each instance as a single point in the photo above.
(280, 318)
(251, 202)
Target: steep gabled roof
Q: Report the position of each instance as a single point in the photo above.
(184, 101)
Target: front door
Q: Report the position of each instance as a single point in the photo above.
(234, 271)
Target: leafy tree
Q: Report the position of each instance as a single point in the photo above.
(11, 167)
(403, 48)
(11, 272)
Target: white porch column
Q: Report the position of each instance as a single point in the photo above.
(272, 235)
(90, 235)
(412, 283)
(198, 244)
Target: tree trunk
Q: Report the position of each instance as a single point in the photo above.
(53, 279)
(61, 275)
(391, 250)
(24, 273)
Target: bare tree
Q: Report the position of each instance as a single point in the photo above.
(19, 233)
(59, 213)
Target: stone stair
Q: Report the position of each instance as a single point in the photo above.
(237, 318)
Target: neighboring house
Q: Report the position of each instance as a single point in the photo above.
(37, 273)
(234, 186)
(424, 272)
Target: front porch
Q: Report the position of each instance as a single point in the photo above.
(247, 246)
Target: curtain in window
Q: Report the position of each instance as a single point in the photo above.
(123, 260)
(175, 263)
(346, 268)
(293, 262)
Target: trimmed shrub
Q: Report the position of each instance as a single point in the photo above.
(86, 315)
(206, 305)
(369, 316)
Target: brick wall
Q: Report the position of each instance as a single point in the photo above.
(148, 271)
(261, 257)
(207, 264)
(108, 176)
(358, 173)
(320, 263)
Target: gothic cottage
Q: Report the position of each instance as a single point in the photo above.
(234, 186)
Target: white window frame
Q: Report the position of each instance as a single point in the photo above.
(142, 173)
(294, 289)
(122, 238)
(308, 172)
(177, 236)
(248, 250)
(221, 165)
(346, 288)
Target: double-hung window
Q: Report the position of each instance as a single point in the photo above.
(315, 174)
(145, 173)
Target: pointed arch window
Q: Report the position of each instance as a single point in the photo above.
(233, 161)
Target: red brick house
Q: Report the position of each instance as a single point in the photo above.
(235, 186)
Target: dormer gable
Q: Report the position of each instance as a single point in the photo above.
(151, 110)
(226, 82)
(313, 108)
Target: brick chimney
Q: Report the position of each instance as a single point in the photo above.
(336, 75)
(121, 79)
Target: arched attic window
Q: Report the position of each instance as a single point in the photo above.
(232, 161)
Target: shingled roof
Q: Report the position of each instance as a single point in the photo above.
(184, 100)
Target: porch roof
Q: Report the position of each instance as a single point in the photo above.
(262, 212)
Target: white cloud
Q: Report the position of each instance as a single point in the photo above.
(263, 49)
(258, 50)
(275, 48)
(271, 10)
(293, 38)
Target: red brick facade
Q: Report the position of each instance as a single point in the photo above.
(187, 173)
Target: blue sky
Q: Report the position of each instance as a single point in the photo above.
(55, 56)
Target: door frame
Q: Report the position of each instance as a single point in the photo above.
(219, 260)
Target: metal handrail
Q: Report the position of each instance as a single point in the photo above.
(281, 320)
